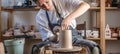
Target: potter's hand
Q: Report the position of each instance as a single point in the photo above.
(56, 31)
(65, 24)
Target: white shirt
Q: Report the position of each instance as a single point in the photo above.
(65, 7)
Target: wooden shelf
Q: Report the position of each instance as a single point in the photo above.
(93, 38)
(107, 8)
(94, 8)
(111, 38)
(12, 37)
(21, 9)
(7, 37)
(107, 39)
(36, 9)
(112, 8)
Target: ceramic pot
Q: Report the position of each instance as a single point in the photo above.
(66, 39)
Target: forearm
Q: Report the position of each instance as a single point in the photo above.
(79, 11)
(45, 32)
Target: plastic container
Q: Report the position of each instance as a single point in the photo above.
(95, 50)
(14, 46)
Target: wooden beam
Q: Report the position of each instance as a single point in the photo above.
(102, 25)
(91, 20)
(10, 19)
(98, 19)
(0, 5)
(21, 9)
(0, 22)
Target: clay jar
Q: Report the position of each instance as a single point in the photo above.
(66, 39)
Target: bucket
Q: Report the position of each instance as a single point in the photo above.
(14, 46)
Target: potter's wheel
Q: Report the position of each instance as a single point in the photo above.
(65, 45)
(56, 48)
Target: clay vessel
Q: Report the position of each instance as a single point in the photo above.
(66, 39)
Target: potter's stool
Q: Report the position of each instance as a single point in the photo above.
(74, 50)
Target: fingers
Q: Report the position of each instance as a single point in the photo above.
(56, 29)
(65, 24)
(65, 27)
